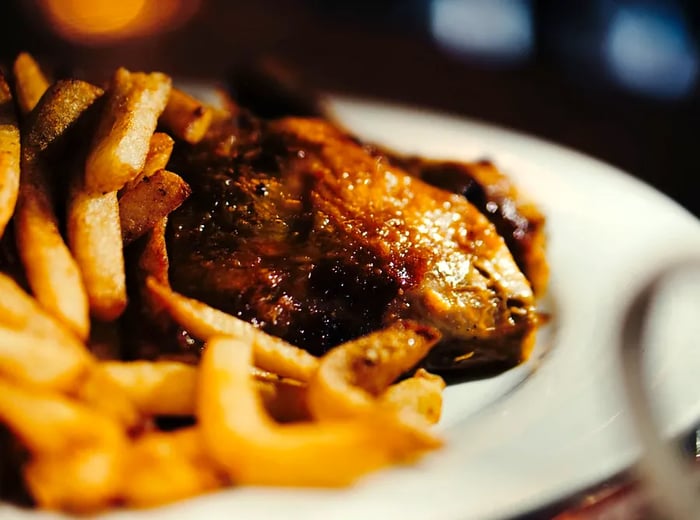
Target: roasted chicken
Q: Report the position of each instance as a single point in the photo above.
(299, 228)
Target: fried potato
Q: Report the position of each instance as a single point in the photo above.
(53, 274)
(159, 150)
(108, 398)
(204, 322)
(284, 399)
(165, 467)
(30, 82)
(95, 238)
(420, 394)
(242, 438)
(9, 155)
(155, 387)
(154, 257)
(134, 102)
(41, 361)
(187, 118)
(83, 480)
(50, 423)
(352, 374)
(142, 206)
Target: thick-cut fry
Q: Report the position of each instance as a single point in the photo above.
(241, 437)
(352, 374)
(30, 82)
(204, 322)
(95, 238)
(159, 150)
(42, 361)
(187, 118)
(152, 199)
(82, 481)
(51, 270)
(104, 395)
(155, 388)
(164, 467)
(420, 394)
(154, 258)
(134, 102)
(9, 155)
(32, 413)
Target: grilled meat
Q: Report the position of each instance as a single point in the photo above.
(295, 226)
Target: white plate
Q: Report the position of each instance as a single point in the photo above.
(546, 429)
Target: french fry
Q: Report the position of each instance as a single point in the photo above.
(187, 118)
(420, 394)
(284, 399)
(105, 396)
(242, 438)
(352, 374)
(52, 272)
(165, 467)
(95, 239)
(154, 258)
(134, 102)
(9, 155)
(30, 82)
(159, 150)
(48, 423)
(42, 361)
(155, 388)
(204, 322)
(82, 481)
(152, 199)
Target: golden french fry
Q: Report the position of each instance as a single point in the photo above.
(52, 272)
(30, 82)
(159, 150)
(42, 361)
(352, 374)
(107, 397)
(154, 258)
(242, 438)
(420, 394)
(165, 467)
(155, 387)
(134, 102)
(187, 118)
(50, 423)
(284, 399)
(9, 155)
(83, 480)
(95, 238)
(152, 199)
(204, 322)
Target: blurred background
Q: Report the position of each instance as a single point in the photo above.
(615, 79)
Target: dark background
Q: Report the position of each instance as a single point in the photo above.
(618, 80)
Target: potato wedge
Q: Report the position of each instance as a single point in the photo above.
(204, 322)
(243, 439)
(159, 150)
(30, 82)
(9, 155)
(42, 361)
(187, 118)
(134, 102)
(95, 239)
(53, 274)
(152, 199)
(351, 375)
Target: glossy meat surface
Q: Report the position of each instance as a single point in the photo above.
(294, 226)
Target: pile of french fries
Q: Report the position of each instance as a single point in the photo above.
(83, 174)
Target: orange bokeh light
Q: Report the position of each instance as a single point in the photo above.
(105, 21)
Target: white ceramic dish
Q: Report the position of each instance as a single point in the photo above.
(555, 425)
